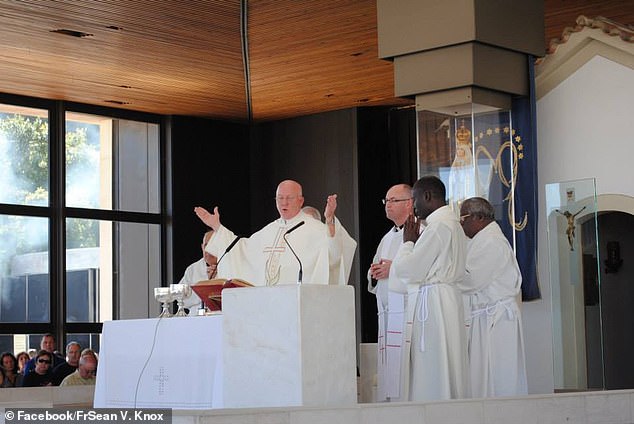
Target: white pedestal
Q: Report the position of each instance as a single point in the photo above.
(289, 346)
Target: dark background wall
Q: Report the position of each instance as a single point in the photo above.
(209, 167)
(356, 153)
(616, 300)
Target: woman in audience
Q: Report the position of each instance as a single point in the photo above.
(23, 358)
(9, 367)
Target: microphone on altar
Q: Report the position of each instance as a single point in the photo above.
(290, 230)
(233, 243)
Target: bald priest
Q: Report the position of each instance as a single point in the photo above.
(266, 258)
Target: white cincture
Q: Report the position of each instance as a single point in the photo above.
(491, 310)
(422, 312)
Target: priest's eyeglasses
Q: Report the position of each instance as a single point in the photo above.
(393, 200)
(287, 198)
(464, 217)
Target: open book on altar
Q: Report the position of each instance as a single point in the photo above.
(210, 291)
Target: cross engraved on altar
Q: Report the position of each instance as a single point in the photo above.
(272, 271)
(162, 377)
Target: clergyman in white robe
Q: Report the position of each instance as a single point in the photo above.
(398, 207)
(496, 343)
(390, 322)
(265, 258)
(194, 273)
(429, 270)
(203, 269)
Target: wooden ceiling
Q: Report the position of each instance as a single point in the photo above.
(186, 57)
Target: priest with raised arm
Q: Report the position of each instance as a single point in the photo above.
(325, 250)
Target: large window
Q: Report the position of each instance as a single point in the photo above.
(80, 220)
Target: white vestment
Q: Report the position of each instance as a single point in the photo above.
(265, 258)
(429, 270)
(390, 322)
(496, 344)
(194, 273)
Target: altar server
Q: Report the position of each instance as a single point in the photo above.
(492, 287)
(428, 269)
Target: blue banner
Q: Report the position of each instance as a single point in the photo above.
(523, 114)
(505, 154)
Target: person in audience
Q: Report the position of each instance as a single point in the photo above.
(85, 373)
(22, 358)
(41, 374)
(312, 211)
(398, 206)
(32, 353)
(9, 371)
(89, 351)
(428, 269)
(491, 289)
(73, 351)
(203, 269)
(326, 250)
(47, 343)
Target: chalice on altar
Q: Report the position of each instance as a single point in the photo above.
(179, 292)
(163, 295)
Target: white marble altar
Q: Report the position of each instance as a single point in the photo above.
(161, 363)
(289, 345)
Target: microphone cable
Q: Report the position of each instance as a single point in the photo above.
(147, 361)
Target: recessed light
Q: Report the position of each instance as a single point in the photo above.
(72, 33)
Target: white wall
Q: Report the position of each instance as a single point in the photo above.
(585, 130)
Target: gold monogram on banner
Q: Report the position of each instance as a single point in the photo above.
(516, 149)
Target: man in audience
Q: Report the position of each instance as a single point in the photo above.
(491, 288)
(41, 374)
(326, 250)
(398, 206)
(428, 268)
(84, 375)
(73, 351)
(47, 343)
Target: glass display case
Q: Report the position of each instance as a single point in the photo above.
(573, 251)
(474, 149)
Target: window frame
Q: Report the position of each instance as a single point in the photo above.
(57, 212)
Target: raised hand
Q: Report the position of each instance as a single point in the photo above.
(331, 207)
(211, 220)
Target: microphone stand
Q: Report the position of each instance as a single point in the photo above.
(299, 276)
(301, 272)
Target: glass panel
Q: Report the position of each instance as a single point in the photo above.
(17, 343)
(88, 270)
(474, 153)
(571, 209)
(139, 269)
(85, 340)
(24, 272)
(24, 150)
(112, 163)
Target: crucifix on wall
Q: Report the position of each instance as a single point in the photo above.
(570, 229)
